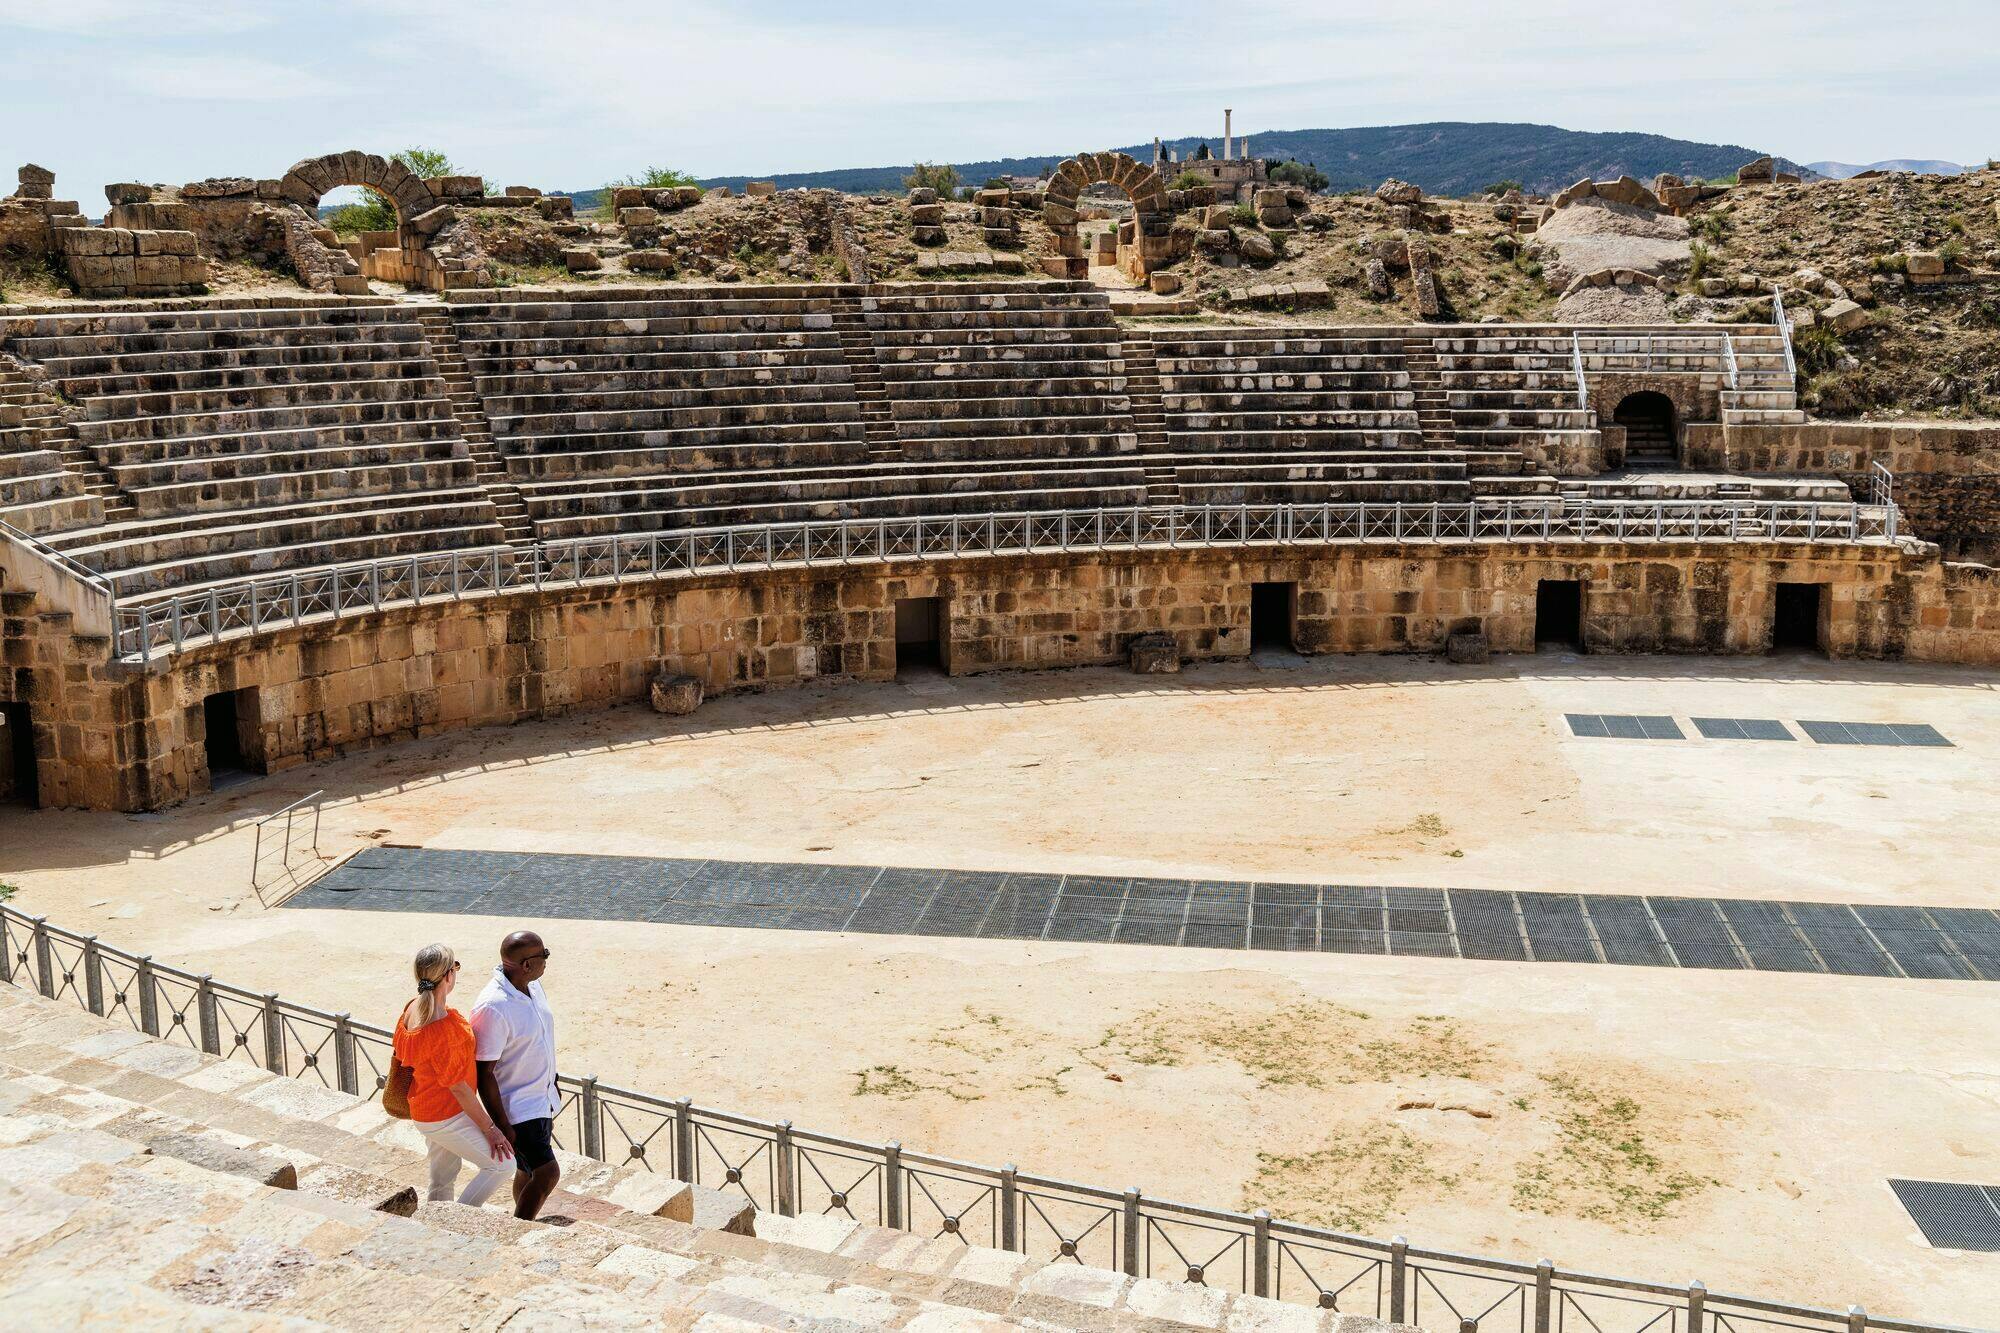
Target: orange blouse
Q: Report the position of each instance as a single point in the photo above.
(439, 1054)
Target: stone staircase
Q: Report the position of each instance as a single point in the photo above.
(1775, 405)
(1427, 388)
(470, 412)
(146, 1185)
(857, 348)
(1149, 419)
(31, 422)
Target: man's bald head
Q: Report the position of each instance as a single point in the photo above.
(523, 957)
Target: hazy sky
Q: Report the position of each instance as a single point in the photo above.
(565, 95)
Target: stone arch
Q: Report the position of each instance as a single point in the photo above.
(1147, 243)
(406, 192)
(1647, 418)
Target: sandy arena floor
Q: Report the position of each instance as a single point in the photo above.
(1737, 1127)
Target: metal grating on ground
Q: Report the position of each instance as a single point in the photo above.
(1875, 733)
(1936, 943)
(1625, 726)
(1742, 728)
(1953, 1216)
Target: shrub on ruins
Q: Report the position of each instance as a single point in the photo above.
(1188, 180)
(647, 178)
(1952, 252)
(1501, 187)
(1302, 174)
(1699, 256)
(939, 176)
(1243, 215)
(1817, 349)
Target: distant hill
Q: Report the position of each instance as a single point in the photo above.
(1923, 166)
(1445, 157)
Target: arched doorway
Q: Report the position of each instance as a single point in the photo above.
(1648, 419)
(406, 192)
(428, 247)
(1142, 240)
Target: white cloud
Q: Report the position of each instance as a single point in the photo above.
(119, 19)
(219, 78)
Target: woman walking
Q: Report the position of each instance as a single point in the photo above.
(436, 1042)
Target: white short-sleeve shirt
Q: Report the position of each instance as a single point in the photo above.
(517, 1031)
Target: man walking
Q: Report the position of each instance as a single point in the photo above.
(514, 1035)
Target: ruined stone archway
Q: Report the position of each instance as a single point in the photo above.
(406, 192)
(430, 248)
(1140, 249)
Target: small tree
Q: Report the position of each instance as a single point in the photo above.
(1201, 153)
(428, 162)
(1501, 187)
(1302, 174)
(939, 176)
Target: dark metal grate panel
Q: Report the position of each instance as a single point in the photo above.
(1875, 940)
(1953, 1216)
(1625, 726)
(1874, 733)
(1742, 728)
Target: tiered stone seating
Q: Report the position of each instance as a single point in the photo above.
(145, 1185)
(252, 440)
(1027, 371)
(1303, 416)
(38, 494)
(624, 412)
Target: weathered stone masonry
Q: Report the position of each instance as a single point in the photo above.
(133, 738)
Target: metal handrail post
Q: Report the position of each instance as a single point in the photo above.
(93, 976)
(149, 999)
(1131, 1238)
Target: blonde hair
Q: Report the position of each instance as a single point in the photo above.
(433, 965)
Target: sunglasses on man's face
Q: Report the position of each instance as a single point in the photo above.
(541, 957)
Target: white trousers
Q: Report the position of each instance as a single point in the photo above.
(456, 1141)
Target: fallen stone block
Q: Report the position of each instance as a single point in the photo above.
(1466, 649)
(1844, 316)
(675, 694)
(579, 259)
(759, 189)
(1155, 655)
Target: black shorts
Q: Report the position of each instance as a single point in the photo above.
(534, 1144)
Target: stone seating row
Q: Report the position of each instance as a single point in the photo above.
(257, 440)
(146, 1185)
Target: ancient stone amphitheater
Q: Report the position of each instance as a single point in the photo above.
(316, 523)
(256, 532)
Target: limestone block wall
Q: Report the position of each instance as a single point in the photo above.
(121, 262)
(1947, 473)
(323, 690)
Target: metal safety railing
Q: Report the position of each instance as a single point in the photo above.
(285, 839)
(1784, 323)
(254, 605)
(791, 1171)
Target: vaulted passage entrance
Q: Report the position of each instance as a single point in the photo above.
(1559, 613)
(920, 634)
(17, 756)
(1648, 419)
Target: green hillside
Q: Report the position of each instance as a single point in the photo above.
(1444, 157)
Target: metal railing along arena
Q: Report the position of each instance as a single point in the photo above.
(169, 624)
(792, 1171)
